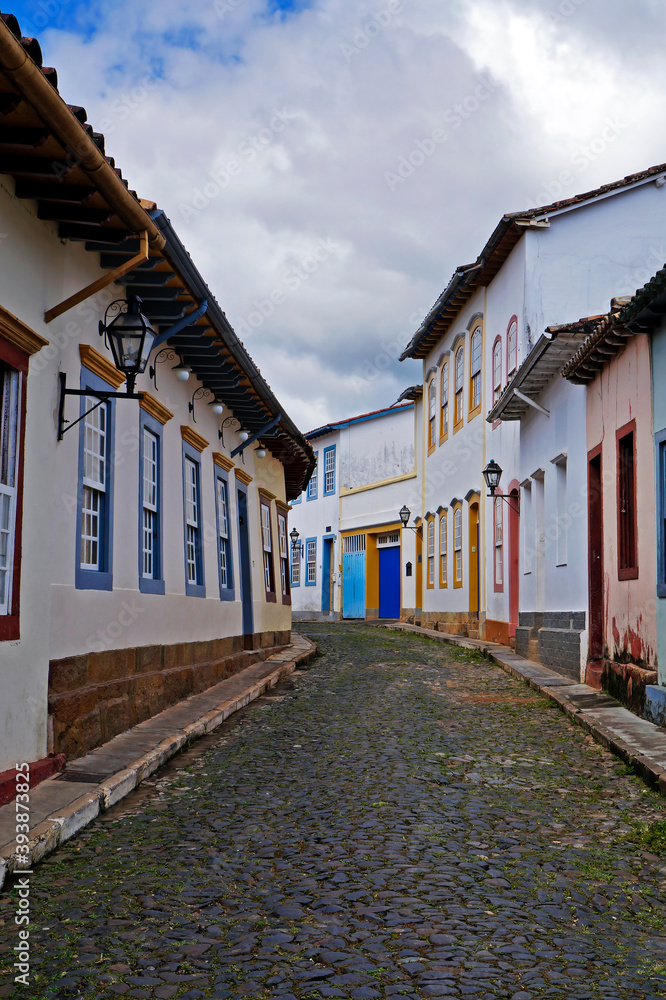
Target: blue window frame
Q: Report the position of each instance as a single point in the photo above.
(310, 562)
(312, 485)
(295, 563)
(298, 499)
(193, 523)
(224, 555)
(329, 471)
(151, 576)
(660, 453)
(94, 499)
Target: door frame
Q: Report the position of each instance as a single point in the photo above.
(595, 505)
(514, 555)
(244, 566)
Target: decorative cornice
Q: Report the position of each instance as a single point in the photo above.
(222, 460)
(18, 334)
(472, 493)
(197, 442)
(154, 408)
(243, 476)
(100, 366)
(281, 505)
(266, 494)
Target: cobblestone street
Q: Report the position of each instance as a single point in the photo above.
(400, 819)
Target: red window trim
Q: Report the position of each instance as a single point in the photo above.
(630, 572)
(514, 319)
(286, 598)
(271, 595)
(499, 587)
(10, 627)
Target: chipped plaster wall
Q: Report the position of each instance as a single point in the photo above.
(617, 396)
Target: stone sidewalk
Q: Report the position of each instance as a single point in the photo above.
(61, 806)
(639, 743)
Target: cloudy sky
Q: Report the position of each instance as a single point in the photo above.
(329, 163)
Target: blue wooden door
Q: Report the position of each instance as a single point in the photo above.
(326, 575)
(353, 577)
(389, 582)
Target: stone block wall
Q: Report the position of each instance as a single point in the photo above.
(552, 638)
(627, 683)
(95, 696)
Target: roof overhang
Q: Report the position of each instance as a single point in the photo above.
(546, 359)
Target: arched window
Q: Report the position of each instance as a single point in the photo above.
(457, 545)
(432, 391)
(475, 370)
(460, 374)
(497, 370)
(512, 347)
(444, 397)
(431, 552)
(442, 551)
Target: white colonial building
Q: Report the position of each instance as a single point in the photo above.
(349, 561)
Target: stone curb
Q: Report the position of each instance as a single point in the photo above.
(652, 773)
(65, 823)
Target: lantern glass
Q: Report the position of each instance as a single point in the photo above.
(492, 475)
(405, 515)
(131, 338)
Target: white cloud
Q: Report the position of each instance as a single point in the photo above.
(266, 138)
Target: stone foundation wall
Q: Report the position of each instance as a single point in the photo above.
(627, 683)
(552, 638)
(95, 696)
(454, 622)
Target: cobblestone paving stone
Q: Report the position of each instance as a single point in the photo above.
(401, 819)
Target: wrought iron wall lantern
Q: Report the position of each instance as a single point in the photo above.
(229, 422)
(168, 354)
(492, 475)
(260, 452)
(296, 545)
(405, 514)
(130, 336)
(204, 393)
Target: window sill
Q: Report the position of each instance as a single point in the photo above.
(90, 579)
(270, 597)
(9, 628)
(431, 448)
(443, 437)
(147, 586)
(628, 574)
(227, 594)
(458, 586)
(458, 426)
(474, 413)
(286, 599)
(195, 590)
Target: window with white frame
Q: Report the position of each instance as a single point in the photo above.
(431, 553)
(432, 406)
(442, 551)
(224, 553)
(460, 378)
(444, 399)
(10, 390)
(267, 545)
(497, 370)
(284, 550)
(499, 542)
(312, 485)
(457, 542)
(94, 483)
(295, 566)
(329, 470)
(512, 348)
(192, 527)
(149, 560)
(311, 561)
(475, 369)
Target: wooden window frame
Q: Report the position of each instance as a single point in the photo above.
(443, 556)
(432, 415)
(444, 402)
(267, 554)
(430, 551)
(627, 527)
(511, 371)
(498, 506)
(459, 403)
(458, 583)
(475, 377)
(285, 562)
